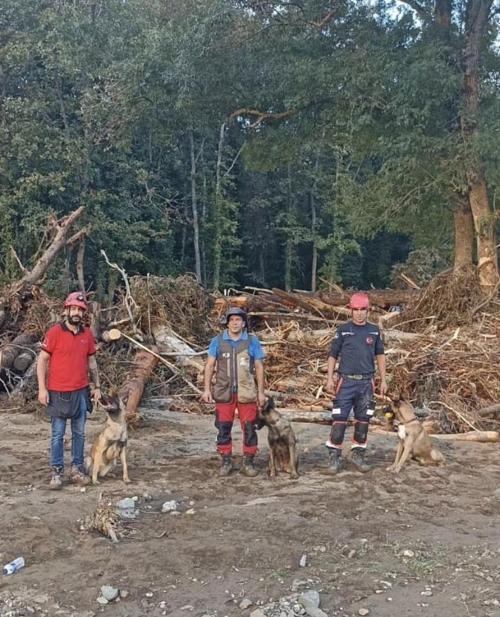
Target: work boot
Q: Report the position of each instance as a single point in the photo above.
(77, 476)
(248, 467)
(56, 479)
(226, 465)
(358, 459)
(335, 463)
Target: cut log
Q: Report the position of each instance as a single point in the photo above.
(132, 389)
(491, 410)
(10, 351)
(478, 436)
(310, 303)
(24, 360)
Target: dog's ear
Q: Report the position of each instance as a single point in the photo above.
(269, 404)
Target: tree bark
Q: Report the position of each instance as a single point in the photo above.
(218, 210)
(289, 239)
(169, 342)
(464, 233)
(80, 256)
(59, 241)
(194, 207)
(477, 15)
(133, 388)
(10, 351)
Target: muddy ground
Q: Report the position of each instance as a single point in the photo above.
(425, 542)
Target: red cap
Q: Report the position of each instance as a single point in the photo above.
(359, 300)
(76, 298)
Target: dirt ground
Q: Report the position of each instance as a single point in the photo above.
(425, 542)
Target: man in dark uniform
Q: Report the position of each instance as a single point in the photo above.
(355, 348)
(236, 357)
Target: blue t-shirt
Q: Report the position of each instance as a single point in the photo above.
(255, 350)
(357, 347)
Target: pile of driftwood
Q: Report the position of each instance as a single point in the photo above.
(153, 341)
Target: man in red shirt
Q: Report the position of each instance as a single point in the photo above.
(64, 364)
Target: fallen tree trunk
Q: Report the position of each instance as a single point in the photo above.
(169, 342)
(378, 297)
(491, 410)
(478, 436)
(40, 268)
(131, 391)
(299, 415)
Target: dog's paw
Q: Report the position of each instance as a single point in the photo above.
(127, 480)
(95, 481)
(294, 476)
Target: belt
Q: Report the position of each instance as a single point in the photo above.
(359, 377)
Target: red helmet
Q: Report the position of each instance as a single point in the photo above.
(359, 300)
(76, 298)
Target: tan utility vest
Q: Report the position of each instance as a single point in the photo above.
(235, 372)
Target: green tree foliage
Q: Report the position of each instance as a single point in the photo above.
(251, 142)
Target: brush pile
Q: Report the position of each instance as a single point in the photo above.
(441, 344)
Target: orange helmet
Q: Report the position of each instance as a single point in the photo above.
(76, 298)
(359, 300)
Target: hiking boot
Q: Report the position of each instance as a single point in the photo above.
(77, 476)
(248, 468)
(335, 464)
(358, 459)
(226, 466)
(56, 479)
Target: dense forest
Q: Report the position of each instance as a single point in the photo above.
(285, 143)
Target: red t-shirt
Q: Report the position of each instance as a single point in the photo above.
(69, 357)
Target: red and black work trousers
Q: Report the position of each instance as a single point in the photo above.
(224, 419)
(355, 394)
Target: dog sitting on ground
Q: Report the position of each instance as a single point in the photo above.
(111, 444)
(414, 442)
(283, 455)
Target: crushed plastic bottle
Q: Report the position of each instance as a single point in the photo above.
(14, 566)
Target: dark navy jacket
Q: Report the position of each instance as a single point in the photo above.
(357, 347)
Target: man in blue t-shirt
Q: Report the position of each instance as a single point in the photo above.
(236, 357)
(355, 348)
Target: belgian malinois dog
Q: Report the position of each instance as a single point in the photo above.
(283, 455)
(414, 442)
(111, 444)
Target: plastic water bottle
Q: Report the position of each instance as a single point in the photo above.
(14, 566)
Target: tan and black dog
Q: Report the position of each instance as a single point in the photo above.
(283, 455)
(111, 444)
(414, 442)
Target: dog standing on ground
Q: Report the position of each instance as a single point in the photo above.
(414, 442)
(111, 444)
(283, 455)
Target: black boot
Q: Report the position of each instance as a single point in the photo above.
(226, 465)
(248, 468)
(358, 459)
(335, 463)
